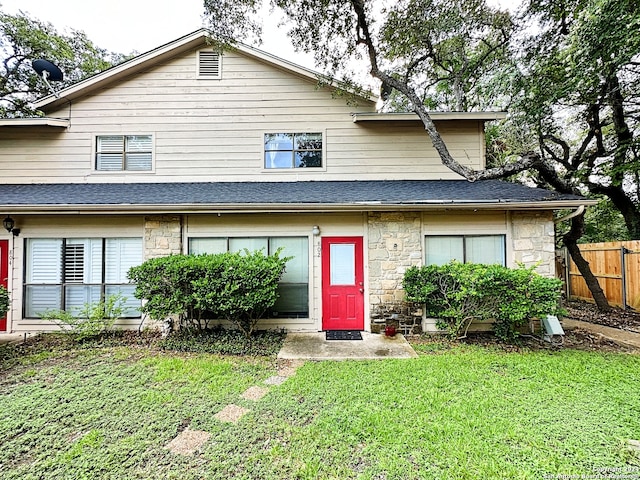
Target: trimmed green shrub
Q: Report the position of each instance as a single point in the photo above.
(238, 287)
(457, 294)
(4, 301)
(90, 320)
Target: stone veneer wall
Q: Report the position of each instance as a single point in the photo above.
(394, 244)
(162, 235)
(533, 236)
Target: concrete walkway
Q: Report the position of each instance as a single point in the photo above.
(11, 338)
(621, 337)
(314, 346)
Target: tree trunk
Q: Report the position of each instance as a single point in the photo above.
(571, 242)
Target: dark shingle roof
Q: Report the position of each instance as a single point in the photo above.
(329, 193)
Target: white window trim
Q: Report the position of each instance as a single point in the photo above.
(295, 171)
(94, 148)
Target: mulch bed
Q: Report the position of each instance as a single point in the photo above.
(616, 318)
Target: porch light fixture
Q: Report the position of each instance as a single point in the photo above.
(9, 224)
(315, 230)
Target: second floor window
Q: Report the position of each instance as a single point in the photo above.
(292, 150)
(123, 152)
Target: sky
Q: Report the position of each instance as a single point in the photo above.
(123, 26)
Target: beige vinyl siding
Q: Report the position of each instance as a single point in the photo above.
(213, 130)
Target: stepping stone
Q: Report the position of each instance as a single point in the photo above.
(634, 445)
(254, 393)
(188, 442)
(287, 368)
(275, 380)
(231, 413)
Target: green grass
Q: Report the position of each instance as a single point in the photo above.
(456, 412)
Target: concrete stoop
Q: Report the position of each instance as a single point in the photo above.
(314, 346)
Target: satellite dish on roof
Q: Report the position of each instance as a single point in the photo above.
(48, 71)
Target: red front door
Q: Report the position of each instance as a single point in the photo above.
(342, 283)
(4, 275)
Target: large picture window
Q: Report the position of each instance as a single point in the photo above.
(64, 274)
(292, 150)
(293, 289)
(124, 152)
(488, 249)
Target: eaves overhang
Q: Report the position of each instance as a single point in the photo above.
(288, 208)
(35, 122)
(413, 117)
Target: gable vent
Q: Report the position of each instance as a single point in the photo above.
(209, 64)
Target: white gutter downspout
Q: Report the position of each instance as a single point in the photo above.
(575, 213)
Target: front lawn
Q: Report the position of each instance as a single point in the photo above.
(458, 411)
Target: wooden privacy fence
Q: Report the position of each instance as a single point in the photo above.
(616, 266)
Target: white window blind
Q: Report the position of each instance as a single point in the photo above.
(124, 152)
(487, 249)
(44, 260)
(251, 244)
(198, 246)
(441, 250)
(138, 152)
(110, 151)
(44, 266)
(121, 254)
(81, 261)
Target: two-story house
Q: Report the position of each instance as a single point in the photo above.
(185, 150)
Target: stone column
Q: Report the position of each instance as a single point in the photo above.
(394, 244)
(533, 235)
(162, 235)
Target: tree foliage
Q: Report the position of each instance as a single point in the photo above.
(4, 301)
(24, 39)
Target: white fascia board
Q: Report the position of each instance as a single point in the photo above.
(404, 117)
(281, 208)
(35, 122)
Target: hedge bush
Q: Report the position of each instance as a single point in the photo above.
(457, 294)
(239, 287)
(4, 301)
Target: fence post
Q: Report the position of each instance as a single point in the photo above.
(623, 268)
